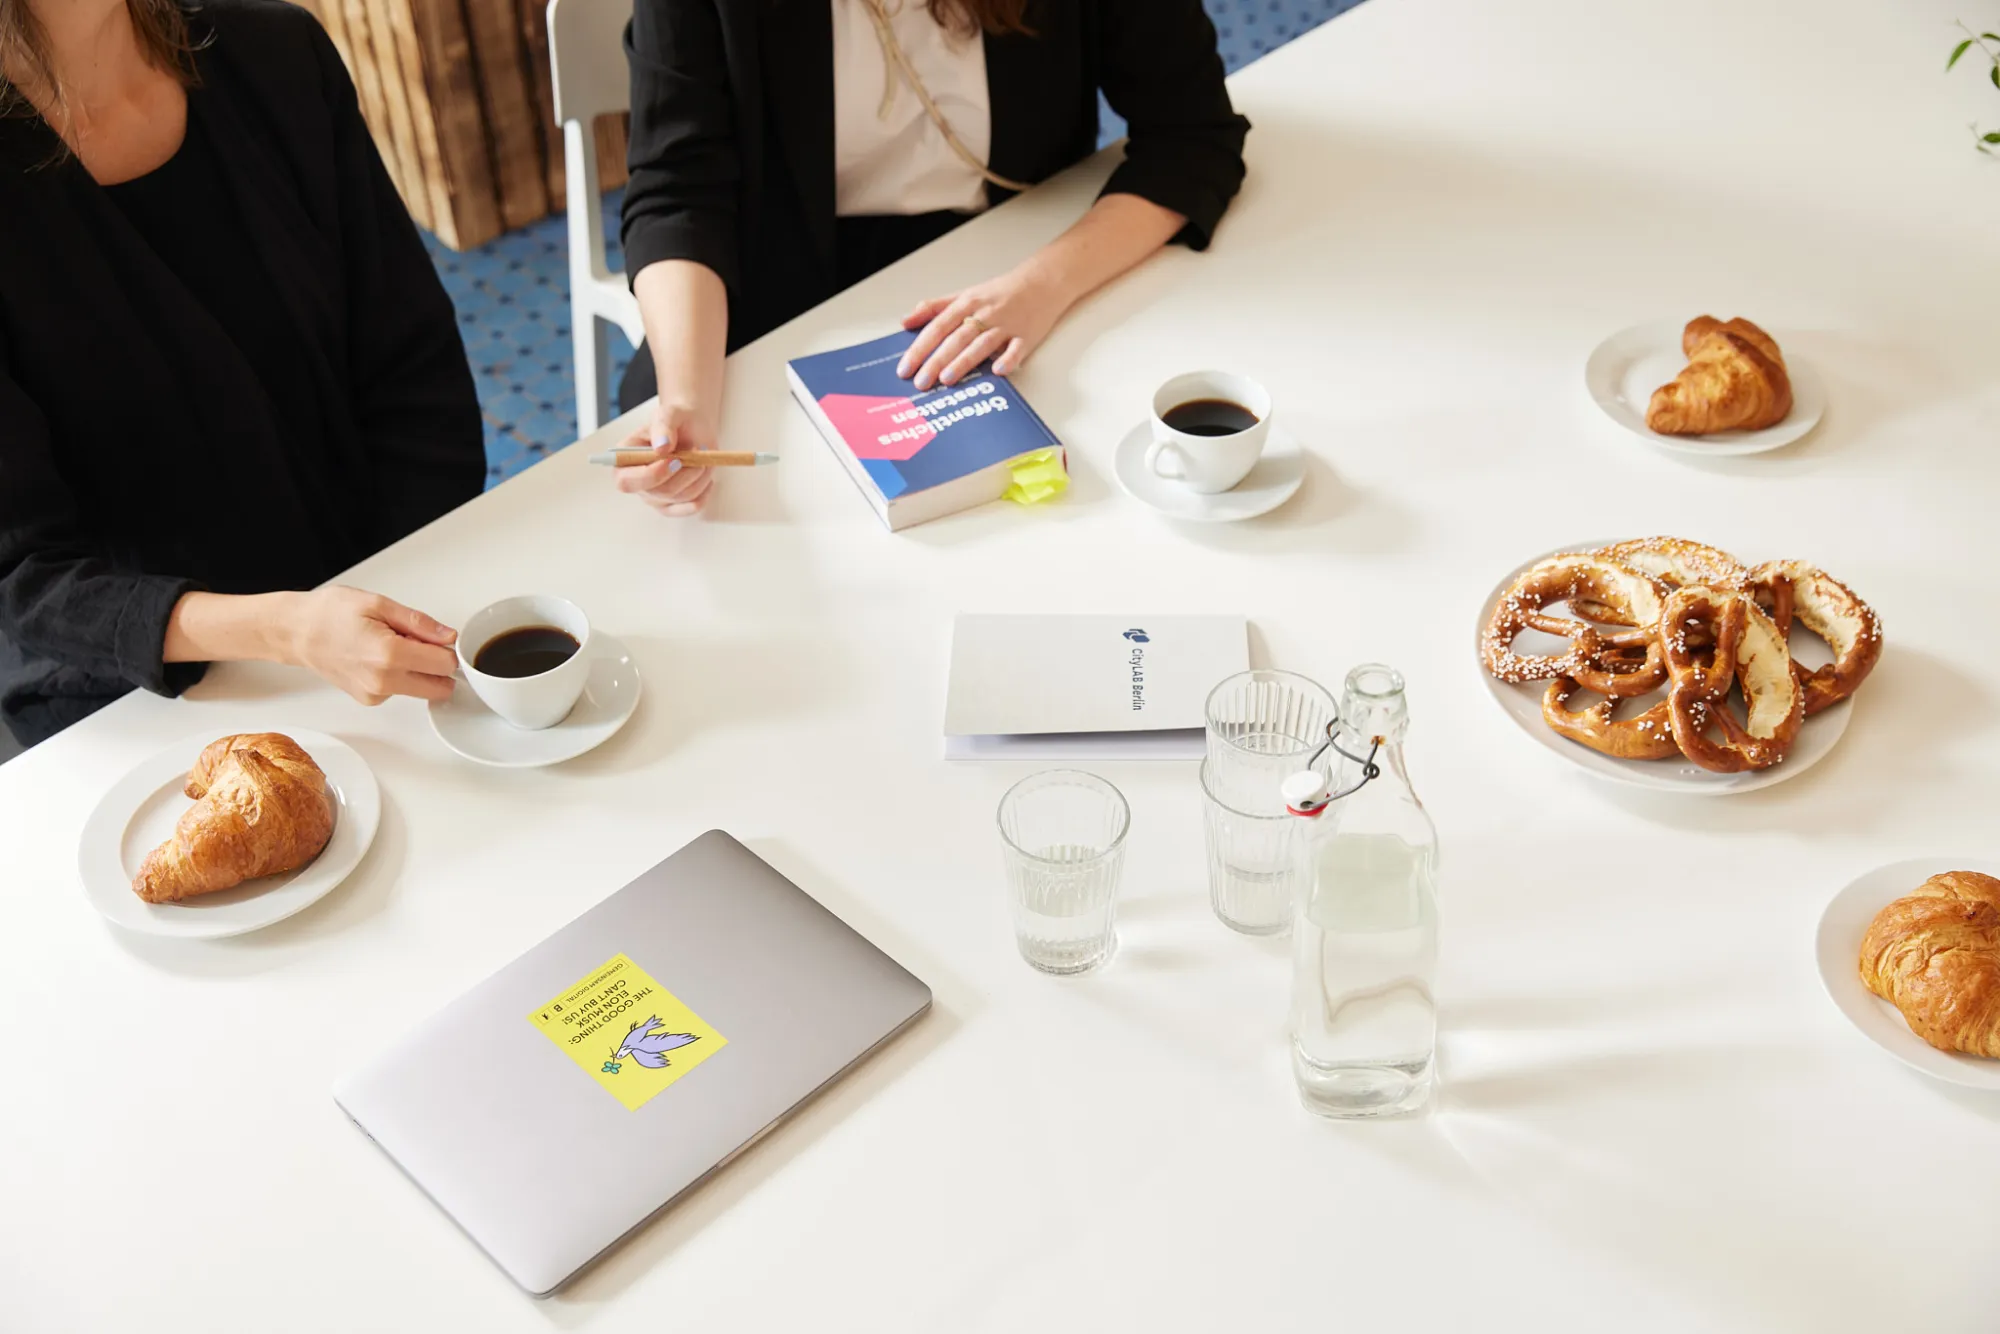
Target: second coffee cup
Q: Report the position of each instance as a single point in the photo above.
(528, 658)
(1209, 428)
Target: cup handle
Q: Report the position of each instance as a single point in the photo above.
(1157, 451)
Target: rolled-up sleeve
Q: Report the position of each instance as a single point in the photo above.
(685, 169)
(1162, 72)
(61, 596)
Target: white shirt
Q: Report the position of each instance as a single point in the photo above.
(899, 162)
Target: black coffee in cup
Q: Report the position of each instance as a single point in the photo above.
(528, 651)
(1209, 416)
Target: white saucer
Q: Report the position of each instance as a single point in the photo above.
(1270, 484)
(1841, 928)
(468, 727)
(1627, 367)
(1523, 704)
(141, 809)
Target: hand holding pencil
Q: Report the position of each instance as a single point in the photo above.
(659, 474)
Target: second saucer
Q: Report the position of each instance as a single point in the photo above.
(1271, 483)
(472, 730)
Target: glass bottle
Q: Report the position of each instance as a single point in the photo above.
(1364, 939)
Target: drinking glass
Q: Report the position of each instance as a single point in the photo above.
(1251, 864)
(1062, 833)
(1262, 728)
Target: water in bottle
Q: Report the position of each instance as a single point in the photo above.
(1364, 1012)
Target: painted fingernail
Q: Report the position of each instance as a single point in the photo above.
(673, 467)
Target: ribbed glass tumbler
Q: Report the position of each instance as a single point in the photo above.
(1250, 865)
(1263, 727)
(1062, 835)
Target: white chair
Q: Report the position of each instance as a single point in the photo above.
(587, 59)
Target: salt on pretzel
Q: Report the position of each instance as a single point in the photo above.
(1831, 610)
(1675, 562)
(1598, 661)
(1646, 736)
(1748, 649)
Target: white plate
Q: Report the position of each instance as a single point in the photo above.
(1271, 483)
(1841, 928)
(1523, 704)
(1628, 366)
(140, 811)
(468, 727)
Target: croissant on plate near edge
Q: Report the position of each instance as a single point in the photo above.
(1735, 381)
(1934, 954)
(261, 807)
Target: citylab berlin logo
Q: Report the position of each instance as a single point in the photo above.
(1137, 662)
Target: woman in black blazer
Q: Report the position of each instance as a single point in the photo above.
(782, 150)
(227, 368)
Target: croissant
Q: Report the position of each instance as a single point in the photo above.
(1935, 955)
(1735, 380)
(261, 807)
(1701, 326)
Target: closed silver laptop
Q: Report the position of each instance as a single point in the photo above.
(663, 1031)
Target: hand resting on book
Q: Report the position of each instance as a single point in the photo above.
(1008, 317)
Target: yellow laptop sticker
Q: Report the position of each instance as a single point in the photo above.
(627, 1031)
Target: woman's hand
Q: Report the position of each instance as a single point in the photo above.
(1005, 318)
(367, 645)
(686, 309)
(666, 485)
(1008, 317)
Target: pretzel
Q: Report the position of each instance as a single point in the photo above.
(1674, 561)
(1624, 669)
(1666, 609)
(1598, 661)
(1830, 610)
(1646, 736)
(1748, 650)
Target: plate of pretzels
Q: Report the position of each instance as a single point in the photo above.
(1910, 953)
(1705, 387)
(213, 838)
(1673, 665)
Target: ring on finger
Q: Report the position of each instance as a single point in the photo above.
(979, 325)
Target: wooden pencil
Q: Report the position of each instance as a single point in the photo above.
(693, 458)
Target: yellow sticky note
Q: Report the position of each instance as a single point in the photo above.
(1038, 476)
(627, 1032)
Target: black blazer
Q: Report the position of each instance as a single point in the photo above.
(139, 455)
(732, 147)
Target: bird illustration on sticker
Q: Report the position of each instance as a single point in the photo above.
(646, 1047)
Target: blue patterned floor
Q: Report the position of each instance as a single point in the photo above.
(513, 294)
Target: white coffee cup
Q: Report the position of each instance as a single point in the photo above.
(529, 702)
(1208, 463)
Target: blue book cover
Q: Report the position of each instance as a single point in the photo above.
(908, 441)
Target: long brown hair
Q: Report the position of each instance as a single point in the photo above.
(995, 16)
(160, 26)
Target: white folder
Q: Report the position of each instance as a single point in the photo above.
(1086, 687)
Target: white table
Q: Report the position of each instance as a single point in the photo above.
(1651, 1119)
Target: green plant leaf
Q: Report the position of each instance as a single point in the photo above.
(1996, 76)
(1990, 36)
(1956, 52)
(1993, 138)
